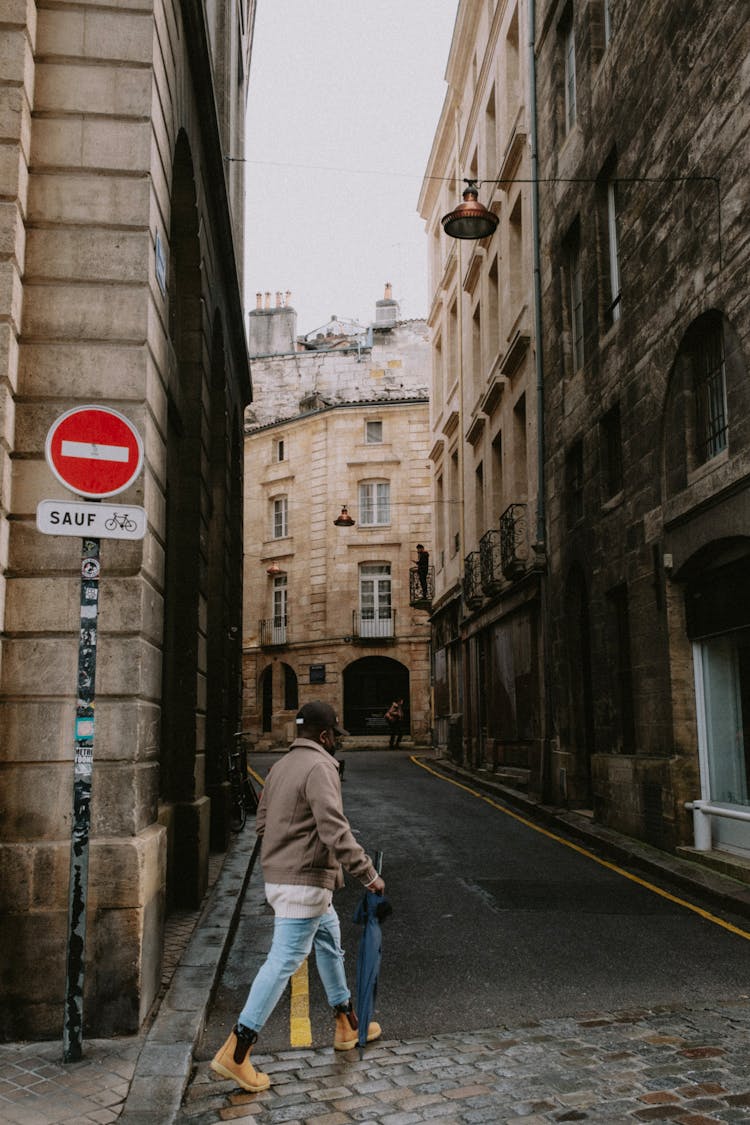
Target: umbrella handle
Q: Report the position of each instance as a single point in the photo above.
(379, 862)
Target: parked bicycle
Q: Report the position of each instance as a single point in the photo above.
(244, 796)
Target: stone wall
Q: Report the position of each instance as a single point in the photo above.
(110, 149)
(662, 112)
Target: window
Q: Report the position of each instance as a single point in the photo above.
(479, 499)
(497, 476)
(570, 77)
(454, 505)
(278, 624)
(280, 520)
(476, 347)
(515, 257)
(574, 483)
(607, 23)
(493, 305)
(520, 468)
(614, 261)
(611, 436)
(375, 612)
(373, 433)
(575, 296)
(279, 454)
(709, 389)
(374, 503)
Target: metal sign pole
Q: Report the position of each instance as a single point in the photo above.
(82, 772)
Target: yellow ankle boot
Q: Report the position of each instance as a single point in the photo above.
(346, 1034)
(233, 1061)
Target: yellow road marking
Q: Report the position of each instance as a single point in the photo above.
(300, 1032)
(255, 776)
(589, 855)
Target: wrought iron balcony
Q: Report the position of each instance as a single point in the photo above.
(374, 626)
(490, 562)
(421, 592)
(514, 542)
(472, 580)
(273, 632)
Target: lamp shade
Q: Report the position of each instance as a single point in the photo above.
(344, 520)
(470, 219)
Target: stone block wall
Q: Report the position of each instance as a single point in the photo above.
(97, 113)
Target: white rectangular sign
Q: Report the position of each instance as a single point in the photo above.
(97, 521)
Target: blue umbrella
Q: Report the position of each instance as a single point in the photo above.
(371, 911)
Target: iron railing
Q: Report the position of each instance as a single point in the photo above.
(490, 563)
(420, 593)
(514, 546)
(472, 580)
(376, 626)
(273, 631)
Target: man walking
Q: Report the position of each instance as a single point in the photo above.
(306, 843)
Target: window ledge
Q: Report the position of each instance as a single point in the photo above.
(708, 467)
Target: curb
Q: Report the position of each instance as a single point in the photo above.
(704, 882)
(165, 1062)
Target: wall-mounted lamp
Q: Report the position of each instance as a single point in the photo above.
(344, 520)
(273, 570)
(470, 219)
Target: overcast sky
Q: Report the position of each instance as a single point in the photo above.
(345, 96)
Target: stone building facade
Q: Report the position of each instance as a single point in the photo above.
(486, 614)
(644, 194)
(120, 247)
(339, 419)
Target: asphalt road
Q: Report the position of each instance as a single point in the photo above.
(494, 923)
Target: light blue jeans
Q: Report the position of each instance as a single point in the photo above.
(293, 938)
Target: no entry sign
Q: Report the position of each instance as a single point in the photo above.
(94, 451)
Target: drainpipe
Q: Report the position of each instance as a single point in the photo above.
(545, 778)
(540, 504)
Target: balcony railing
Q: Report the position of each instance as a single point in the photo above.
(374, 626)
(472, 580)
(421, 593)
(514, 542)
(273, 632)
(490, 562)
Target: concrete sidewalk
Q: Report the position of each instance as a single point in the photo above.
(142, 1080)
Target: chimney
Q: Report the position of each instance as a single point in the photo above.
(288, 298)
(387, 310)
(272, 331)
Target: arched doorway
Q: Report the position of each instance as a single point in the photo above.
(370, 686)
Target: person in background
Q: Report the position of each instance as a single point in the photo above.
(394, 716)
(306, 841)
(423, 566)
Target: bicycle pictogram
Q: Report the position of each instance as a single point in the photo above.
(124, 522)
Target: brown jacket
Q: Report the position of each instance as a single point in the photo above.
(306, 836)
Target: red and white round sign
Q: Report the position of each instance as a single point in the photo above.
(94, 451)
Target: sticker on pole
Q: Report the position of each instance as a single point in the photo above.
(94, 451)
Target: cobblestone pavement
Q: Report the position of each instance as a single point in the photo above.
(686, 1066)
